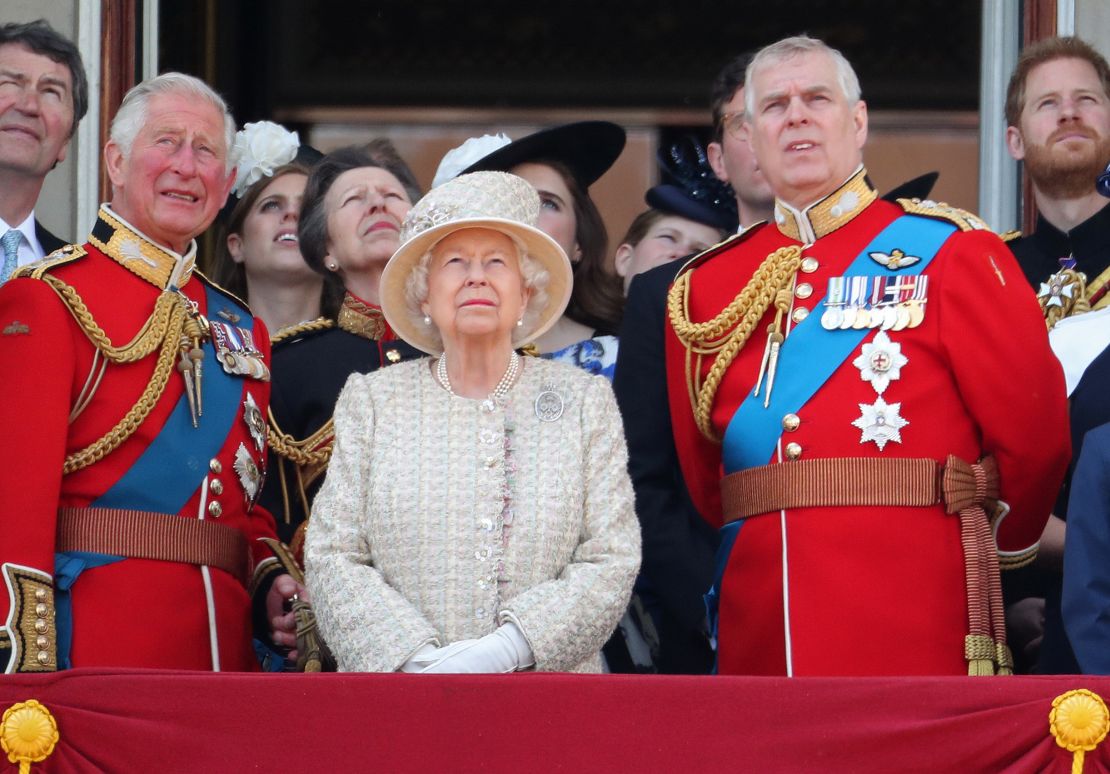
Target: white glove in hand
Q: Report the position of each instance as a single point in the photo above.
(504, 650)
(428, 654)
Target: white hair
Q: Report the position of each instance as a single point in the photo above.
(132, 113)
(535, 278)
(788, 48)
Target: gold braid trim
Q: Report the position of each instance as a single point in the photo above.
(164, 327)
(727, 333)
(148, 338)
(309, 326)
(301, 452)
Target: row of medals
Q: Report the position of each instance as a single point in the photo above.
(886, 303)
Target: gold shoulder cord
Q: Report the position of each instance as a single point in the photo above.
(727, 333)
(311, 326)
(164, 327)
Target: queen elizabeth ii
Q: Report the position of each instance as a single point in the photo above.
(477, 515)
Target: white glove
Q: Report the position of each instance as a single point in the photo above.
(428, 654)
(503, 650)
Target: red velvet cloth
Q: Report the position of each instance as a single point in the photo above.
(154, 721)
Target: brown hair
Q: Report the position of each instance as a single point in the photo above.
(725, 85)
(597, 297)
(1048, 50)
(233, 276)
(641, 225)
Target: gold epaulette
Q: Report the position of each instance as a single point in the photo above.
(720, 247)
(308, 326)
(1010, 236)
(59, 257)
(966, 221)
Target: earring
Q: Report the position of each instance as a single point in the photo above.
(520, 323)
(427, 320)
(333, 265)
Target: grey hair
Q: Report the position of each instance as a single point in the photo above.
(788, 48)
(132, 111)
(535, 279)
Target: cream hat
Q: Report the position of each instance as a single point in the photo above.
(494, 200)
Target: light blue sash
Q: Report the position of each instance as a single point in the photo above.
(811, 354)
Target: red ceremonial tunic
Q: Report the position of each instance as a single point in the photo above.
(875, 590)
(57, 401)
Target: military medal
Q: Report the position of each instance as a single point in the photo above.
(249, 475)
(256, 424)
(917, 301)
(236, 352)
(832, 316)
(891, 290)
(880, 422)
(857, 305)
(880, 362)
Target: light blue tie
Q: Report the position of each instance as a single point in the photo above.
(10, 242)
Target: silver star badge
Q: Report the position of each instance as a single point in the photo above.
(1056, 290)
(880, 422)
(881, 362)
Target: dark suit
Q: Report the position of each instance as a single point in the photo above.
(678, 545)
(49, 242)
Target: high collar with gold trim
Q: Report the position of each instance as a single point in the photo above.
(828, 214)
(363, 319)
(134, 251)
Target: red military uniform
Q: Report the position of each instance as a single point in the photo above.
(811, 589)
(95, 351)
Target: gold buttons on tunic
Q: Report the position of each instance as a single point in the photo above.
(799, 314)
(809, 265)
(40, 595)
(215, 509)
(216, 487)
(793, 451)
(215, 466)
(41, 610)
(43, 657)
(804, 290)
(392, 355)
(791, 422)
(41, 642)
(41, 626)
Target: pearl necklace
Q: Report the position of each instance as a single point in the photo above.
(503, 386)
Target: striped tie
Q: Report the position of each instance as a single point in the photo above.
(10, 242)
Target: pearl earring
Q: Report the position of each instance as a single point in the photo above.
(333, 266)
(427, 320)
(520, 323)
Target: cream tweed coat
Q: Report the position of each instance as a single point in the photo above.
(443, 516)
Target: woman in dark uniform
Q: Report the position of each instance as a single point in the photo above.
(354, 202)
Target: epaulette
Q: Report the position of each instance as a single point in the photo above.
(1010, 236)
(208, 281)
(59, 257)
(719, 248)
(966, 221)
(302, 329)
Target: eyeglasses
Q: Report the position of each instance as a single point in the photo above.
(733, 124)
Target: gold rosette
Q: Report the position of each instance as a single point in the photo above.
(28, 733)
(1079, 720)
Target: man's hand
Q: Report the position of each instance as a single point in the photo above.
(283, 623)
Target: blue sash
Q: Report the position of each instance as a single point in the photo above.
(811, 354)
(166, 474)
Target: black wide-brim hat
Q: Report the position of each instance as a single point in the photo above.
(586, 148)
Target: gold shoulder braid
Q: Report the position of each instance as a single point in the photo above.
(59, 257)
(308, 326)
(727, 333)
(171, 326)
(362, 319)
